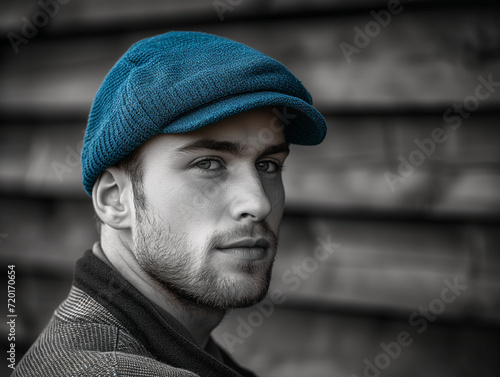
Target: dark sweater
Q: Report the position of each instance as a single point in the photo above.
(106, 327)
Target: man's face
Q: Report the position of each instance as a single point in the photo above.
(213, 204)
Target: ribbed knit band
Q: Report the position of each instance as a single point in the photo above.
(181, 81)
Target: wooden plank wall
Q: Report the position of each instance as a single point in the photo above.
(400, 238)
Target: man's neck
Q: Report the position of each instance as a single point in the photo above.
(198, 321)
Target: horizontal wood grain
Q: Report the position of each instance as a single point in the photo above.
(420, 58)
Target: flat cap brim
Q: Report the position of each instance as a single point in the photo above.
(302, 123)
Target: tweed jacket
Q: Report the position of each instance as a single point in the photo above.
(106, 327)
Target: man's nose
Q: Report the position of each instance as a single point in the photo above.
(249, 200)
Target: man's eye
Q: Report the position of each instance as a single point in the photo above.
(209, 164)
(268, 166)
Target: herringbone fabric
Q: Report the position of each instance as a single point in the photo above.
(84, 339)
(106, 327)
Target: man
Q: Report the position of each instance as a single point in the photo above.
(182, 157)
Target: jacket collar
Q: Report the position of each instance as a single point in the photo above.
(161, 334)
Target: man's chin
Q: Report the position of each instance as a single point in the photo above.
(229, 300)
(246, 302)
(234, 296)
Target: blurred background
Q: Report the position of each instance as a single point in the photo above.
(407, 220)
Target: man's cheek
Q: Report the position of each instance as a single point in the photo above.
(276, 195)
(276, 215)
(204, 193)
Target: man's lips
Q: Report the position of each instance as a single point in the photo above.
(246, 242)
(248, 248)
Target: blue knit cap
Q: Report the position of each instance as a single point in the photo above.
(181, 81)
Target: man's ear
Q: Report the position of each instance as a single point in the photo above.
(113, 198)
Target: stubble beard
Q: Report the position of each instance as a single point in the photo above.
(169, 259)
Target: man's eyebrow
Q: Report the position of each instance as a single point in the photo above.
(215, 145)
(234, 148)
(274, 149)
